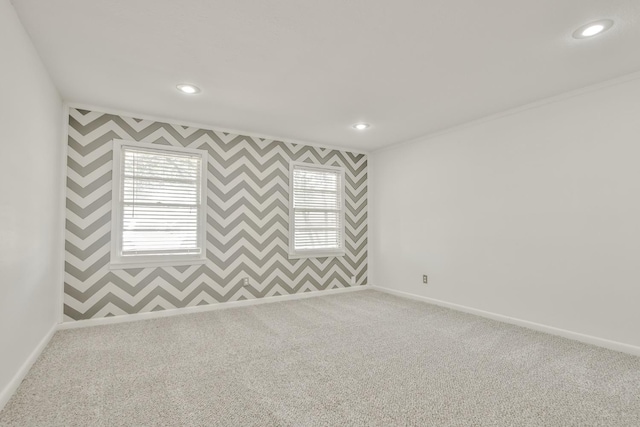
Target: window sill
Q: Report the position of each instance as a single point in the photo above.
(300, 255)
(152, 264)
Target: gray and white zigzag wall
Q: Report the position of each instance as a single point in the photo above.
(247, 222)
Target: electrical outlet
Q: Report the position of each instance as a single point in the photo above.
(424, 278)
(353, 280)
(245, 282)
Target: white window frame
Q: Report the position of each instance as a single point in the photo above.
(117, 212)
(316, 253)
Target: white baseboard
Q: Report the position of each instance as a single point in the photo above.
(204, 308)
(576, 336)
(15, 382)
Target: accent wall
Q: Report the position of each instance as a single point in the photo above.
(247, 222)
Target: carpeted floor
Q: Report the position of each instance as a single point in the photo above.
(361, 358)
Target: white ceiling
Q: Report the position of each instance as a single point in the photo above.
(306, 70)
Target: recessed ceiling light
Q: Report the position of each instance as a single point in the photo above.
(361, 126)
(592, 29)
(188, 89)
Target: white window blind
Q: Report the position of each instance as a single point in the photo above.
(160, 205)
(316, 210)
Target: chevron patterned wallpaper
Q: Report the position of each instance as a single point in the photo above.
(247, 222)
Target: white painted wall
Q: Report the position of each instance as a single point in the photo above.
(31, 239)
(533, 215)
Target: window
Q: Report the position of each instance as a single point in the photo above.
(158, 213)
(316, 210)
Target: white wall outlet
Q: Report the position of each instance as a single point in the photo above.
(424, 278)
(353, 280)
(245, 282)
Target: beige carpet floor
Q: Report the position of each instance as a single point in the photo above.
(362, 358)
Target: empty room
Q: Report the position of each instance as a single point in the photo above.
(320, 213)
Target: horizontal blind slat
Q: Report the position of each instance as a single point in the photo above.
(160, 202)
(317, 208)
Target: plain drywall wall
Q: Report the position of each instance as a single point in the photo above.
(31, 229)
(533, 215)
